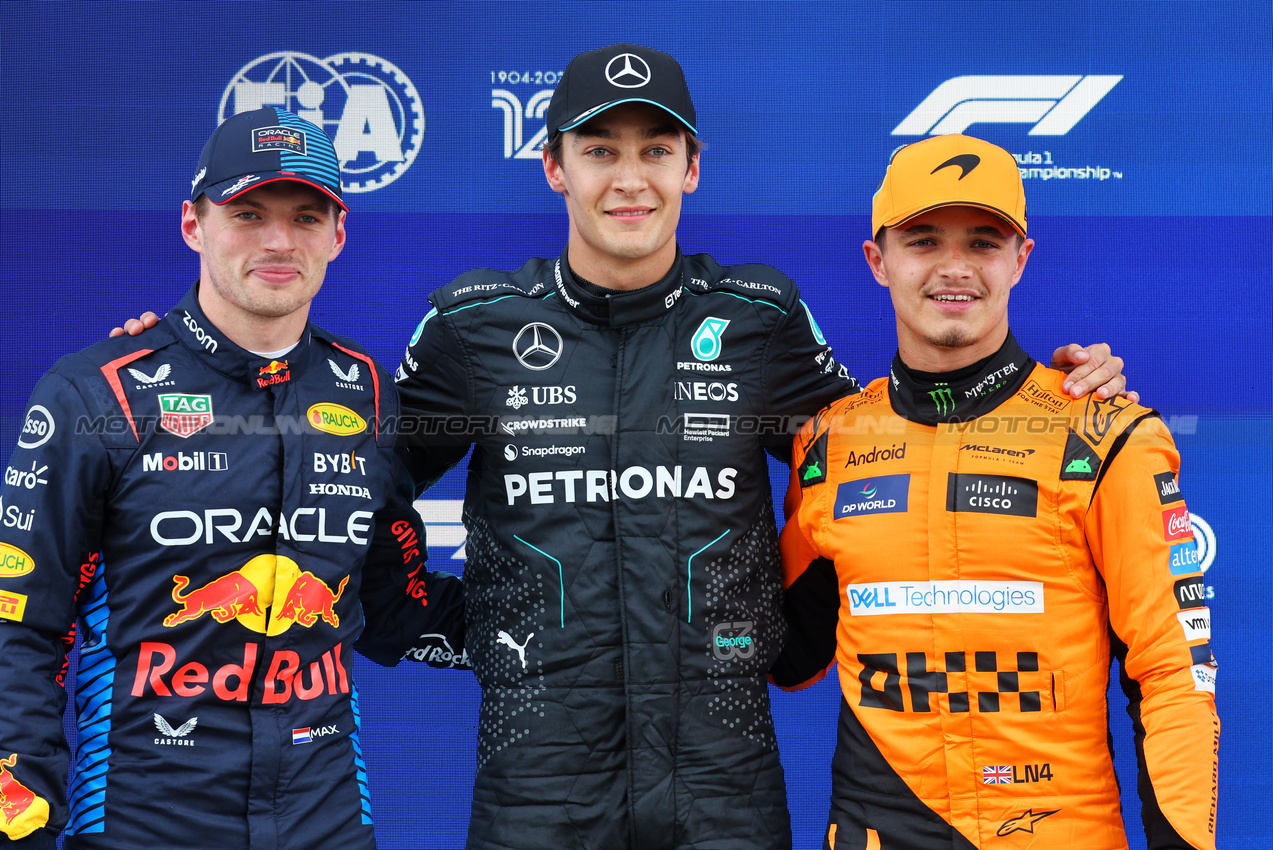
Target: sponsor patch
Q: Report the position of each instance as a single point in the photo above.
(184, 414)
(274, 372)
(1081, 462)
(332, 418)
(1183, 558)
(945, 597)
(879, 453)
(813, 470)
(1168, 489)
(883, 494)
(1190, 592)
(12, 606)
(991, 494)
(14, 562)
(1175, 524)
(1196, 623)
(38, 428)
(1204, 677)
(279, 139)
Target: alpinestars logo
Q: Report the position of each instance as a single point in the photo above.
(1053, 104)
(1024, 822)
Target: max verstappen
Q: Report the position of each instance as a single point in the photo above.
(203, 500)
(622, 584)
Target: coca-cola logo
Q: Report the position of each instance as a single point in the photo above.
(1175, 524)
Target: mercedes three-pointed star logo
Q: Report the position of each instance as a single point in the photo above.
(633, 74)
(537, 346)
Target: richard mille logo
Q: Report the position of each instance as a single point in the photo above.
(631, 74)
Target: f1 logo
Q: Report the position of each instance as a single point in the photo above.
(1054, 104)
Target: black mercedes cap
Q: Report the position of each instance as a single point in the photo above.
(263, 146)
(622, 73)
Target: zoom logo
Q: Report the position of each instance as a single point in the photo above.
(733, 640)
(1053, 104)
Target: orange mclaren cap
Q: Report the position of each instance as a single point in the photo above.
(947, 171)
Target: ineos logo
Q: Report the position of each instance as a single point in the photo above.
(629, 76)
(537, 346)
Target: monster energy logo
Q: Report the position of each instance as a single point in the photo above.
(943, 399)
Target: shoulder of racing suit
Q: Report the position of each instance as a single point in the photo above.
(532, 280)
(752, 281)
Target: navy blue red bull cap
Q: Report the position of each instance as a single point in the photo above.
(263, 146)
(621, 73)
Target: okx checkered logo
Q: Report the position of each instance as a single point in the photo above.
(991, 684)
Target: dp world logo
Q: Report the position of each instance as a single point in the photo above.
(1053, 104)
(706, 340)
(366, 104)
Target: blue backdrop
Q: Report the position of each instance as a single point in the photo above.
(1144, 129)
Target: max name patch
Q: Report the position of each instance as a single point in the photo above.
(278, 138)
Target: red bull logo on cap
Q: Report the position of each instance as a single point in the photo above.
(22, 809)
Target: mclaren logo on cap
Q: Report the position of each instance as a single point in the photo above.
(966, 162)
(627, 71)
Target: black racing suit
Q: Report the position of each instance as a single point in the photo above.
(622, 583)
(206, 514)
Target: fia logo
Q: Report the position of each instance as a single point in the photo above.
(369, 107)
(515, 116)
(1053, 104)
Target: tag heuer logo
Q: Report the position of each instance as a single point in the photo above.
(184, 414)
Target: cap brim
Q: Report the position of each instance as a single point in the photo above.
(597, 110)
(899, 220)
(228, 190)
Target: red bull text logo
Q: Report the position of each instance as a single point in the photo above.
(23, 811)
(285, 677)
(249, 595)
(275, 373)
(332, 418)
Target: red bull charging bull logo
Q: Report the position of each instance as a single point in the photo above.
(250, 593)
(22, 809)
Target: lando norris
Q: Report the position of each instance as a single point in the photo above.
(622, 585)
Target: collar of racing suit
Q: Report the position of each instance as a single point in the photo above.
(933, 397)
(618, 307)
(206, 341)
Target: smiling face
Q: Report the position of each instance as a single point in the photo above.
(622, 175)
(262, 259)
(949, 272)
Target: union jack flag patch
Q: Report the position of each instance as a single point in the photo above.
(996, 775)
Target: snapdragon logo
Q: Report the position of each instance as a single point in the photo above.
(945, 597)
(1053, 104)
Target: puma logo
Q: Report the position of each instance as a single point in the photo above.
(505, 639)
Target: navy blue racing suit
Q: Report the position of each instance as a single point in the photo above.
(206, 515)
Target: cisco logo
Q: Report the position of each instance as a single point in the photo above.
(366, 104)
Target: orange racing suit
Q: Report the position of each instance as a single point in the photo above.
(978, 543)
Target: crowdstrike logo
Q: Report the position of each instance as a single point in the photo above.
(1053, 104)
